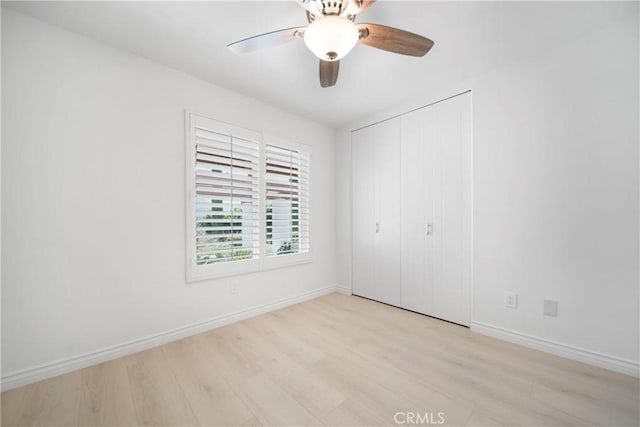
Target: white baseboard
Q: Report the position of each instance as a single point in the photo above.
(49, 370)
(343, 290)
(613, 363)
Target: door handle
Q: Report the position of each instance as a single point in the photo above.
(430, 229)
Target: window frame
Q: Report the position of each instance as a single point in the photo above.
(195, 272)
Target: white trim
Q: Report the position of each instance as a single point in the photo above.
(613, 363)
(343, 290)
(277, 141)
(189, 184)
(472, 264)
(63, 366)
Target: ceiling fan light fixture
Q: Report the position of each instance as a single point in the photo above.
(331, 37)
(332, 33)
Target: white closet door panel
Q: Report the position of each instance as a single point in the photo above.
(452, 210)
(416, 262)
(466, 225)
(387, 242)
(376, 212)
(363, 207)
(432, 172)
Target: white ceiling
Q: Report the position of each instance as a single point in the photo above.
(470, 38)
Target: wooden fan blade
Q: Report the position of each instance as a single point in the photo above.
(356, 6)
(329, 72)
(394, 40)
(265, 40)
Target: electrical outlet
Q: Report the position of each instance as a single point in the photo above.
(511, 299)
(550, 308)
(233, 288)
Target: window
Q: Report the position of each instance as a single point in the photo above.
(287, 201)
(225, 193)
(248, 202)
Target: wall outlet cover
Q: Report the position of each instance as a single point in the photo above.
(233, 288)
(511, 299)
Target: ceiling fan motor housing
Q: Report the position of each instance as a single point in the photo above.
(332, 7)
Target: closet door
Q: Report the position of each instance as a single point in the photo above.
(452, 209)
(417, 173)
(362, 212)
(436, 210)
(376, 211)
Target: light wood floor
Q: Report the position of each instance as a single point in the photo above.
(335, 360)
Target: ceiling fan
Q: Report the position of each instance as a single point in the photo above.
(332, 33)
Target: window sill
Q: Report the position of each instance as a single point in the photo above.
(240, 268)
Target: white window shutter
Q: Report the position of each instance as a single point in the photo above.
(226, 199)
(287, 182)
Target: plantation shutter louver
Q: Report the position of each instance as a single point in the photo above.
(287, 201)
(226, 169)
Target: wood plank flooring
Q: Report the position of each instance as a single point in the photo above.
(335, 360)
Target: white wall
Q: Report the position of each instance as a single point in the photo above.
(93, 193)
(555, 195)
